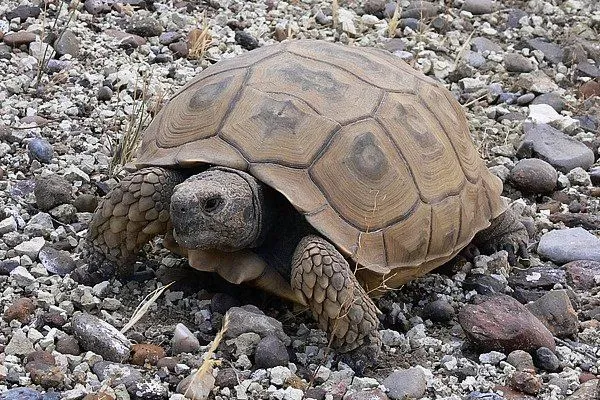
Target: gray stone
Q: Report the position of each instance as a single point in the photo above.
(481, 44)
(420, 10)
(479, 7)
(144, 26)
(565, 245)
(31, 248)
(537, 82)
(525, 99)
(556, 312)
(588, 70)
(407, 383)
(104, 93)
(552, 52)
(532, 175)
(18, 345)
(8, 224)
(270, 352)
(521, 360)
(56, 261)
(546, 359)
(39, 225)
(41, 150)
(579, 176)
(551, 145)
(514, 17)
(493, 357)
(251, 319)
(21, 393)
(474, 59)
(515, 62)
(554, 100)
(51, 191)
(19, 38)
(590, 390)
(118, 374)
(184, 341)
(21, 276)
(100, 337)
(67, 43)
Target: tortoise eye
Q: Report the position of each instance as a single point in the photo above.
(212, 203)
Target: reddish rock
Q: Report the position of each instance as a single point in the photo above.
(586, 376)
(588, 391)
(18, 38)
(526, 382)
(511, 394)
(590, 89)
(373, 394)
(21, 310)
(145, 352)
(43, 371)
(502, 323)
(99, 396)
(556, 312)
(582, 273)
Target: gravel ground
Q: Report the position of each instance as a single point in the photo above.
(527, 73)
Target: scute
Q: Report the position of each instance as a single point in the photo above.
(375, 155)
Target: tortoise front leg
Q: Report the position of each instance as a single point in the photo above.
(323, 278)
(130, 215)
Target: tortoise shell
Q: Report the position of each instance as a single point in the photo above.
(374, 154)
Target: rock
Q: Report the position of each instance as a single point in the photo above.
(493, 357)
(514, 17)
(222, 302)
(583, 274)
(584, 220)
(536, 82)
(481, 44)
(119, 374)
(167, 38)
(39, 225)
(23, 12)
(100, 337)
(393, 338)
(420, 10)
(67, 344)
(526, 382)
(590, 390)
(146, 353)
(502, 323)
(246, 40)
(21, 310)
(438, 311)
(250, 319)
(410, 383)
(21, 393)
(514, 62)
(530, 284)
(525, 99)
(144, 26)
(244, 344)
(104, 93)
(552, 52)
(21, 276)
(374, 7)
(543, 114)
(579, 176)
(86, 203)
(31, 248)
(546, 359)
(7, 225)
(555, 311)
(19, 344)
(226, 377)
(43, 370)
(483, 284)
(552, 99)
(595, 176)
(51, 191)
(67, 43)
(270, 352)
(521, 360)
(532, 175)
(371, 394)
(474, 59)
(551, 145)
(588, 70)
(479, 7)
(41, 150)
(19, 38)
(565, 245)
(57, 262)
(184, 341)
(280, 375)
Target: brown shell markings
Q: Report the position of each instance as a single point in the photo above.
(377, 156)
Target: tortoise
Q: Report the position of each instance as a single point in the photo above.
(319, 172)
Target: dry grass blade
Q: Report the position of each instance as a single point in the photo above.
(462, 50)
(144, 306)
(203, 379)
(394, 21)
(199, 40)
(335, 13)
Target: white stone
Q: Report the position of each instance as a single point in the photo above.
(31, 248)
(279, 375)
(543, 114)
(8, 225)
(22, 277)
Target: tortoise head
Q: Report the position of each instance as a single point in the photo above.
(217, 209)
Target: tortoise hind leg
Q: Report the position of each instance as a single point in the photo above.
(506, 232)
(130, 215)
(322, 277)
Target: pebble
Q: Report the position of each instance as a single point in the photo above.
(270, 352)
(493, 357)
(21, 393)
(370, 394)
(184, 341)
(144, 26)
(419, 10)
(546, 359)
(86, 203)
(406, 383)
(563, 152)
(526, 382)
(537, 82)
(590, 390)
(119, 374)
(23, 12)
(19, 38)
(501, 323)
(479, 7)
(55, 261)
(571, 244)
(482, 44)
(438, 311)
(104, 93)
(529, 284)
(40, 224)
(21, 310)
(543, 114)
(67, 43)
(143, 353)
(532, 175)
(21, 276)
(98, 336)
(514, 62)
(525, 99)
(52, 191)
(583, 274)
(552, 99)
(31, 248)
(41, 150)
(251, 319)
(579, 176)
(19, 344)
(521, 360)
(552, 52)
(67, 344)
(8, 224)
(246, 40)
(556, 312)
